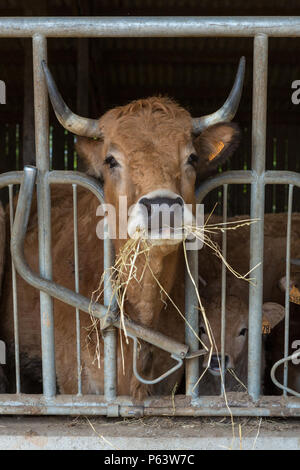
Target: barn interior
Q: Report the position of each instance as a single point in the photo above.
(95, 75)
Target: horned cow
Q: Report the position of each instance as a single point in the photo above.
(151, 151)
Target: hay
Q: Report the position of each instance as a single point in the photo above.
(125, 270)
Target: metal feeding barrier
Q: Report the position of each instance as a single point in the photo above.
(191, 404)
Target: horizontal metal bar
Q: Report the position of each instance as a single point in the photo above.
(282, 177)
(11, 177)
(228, 177)
(246, 177)
(158, 26)
(77, 177)
(155, 406)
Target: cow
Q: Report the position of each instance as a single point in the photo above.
(237, 299)
(236, 342)
(275, 343)
(152, 152)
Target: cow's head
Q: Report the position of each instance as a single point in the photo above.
(236, 331)
(153, 152)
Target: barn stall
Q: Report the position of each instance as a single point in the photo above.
(100, 63)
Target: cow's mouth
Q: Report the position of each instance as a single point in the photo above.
(166, 233)
(215, 371)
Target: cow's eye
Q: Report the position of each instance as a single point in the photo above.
(243, 331)
(193, 159)
(111, 161)
(202, 330)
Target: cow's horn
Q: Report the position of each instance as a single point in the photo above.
(229, 108)
(72, 122)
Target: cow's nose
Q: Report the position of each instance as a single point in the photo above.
(215, 362)
(163, 212)
(160, 201)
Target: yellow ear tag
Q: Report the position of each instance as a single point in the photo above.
(220, 145)
(295, 295)
(266, 327)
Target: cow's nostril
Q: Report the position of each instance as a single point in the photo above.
(215, 362)
(147, 203)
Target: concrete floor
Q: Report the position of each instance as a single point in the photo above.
(148, 433)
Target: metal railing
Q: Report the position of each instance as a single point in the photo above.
(260, 28)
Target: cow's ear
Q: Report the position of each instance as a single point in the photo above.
(92, 153)
(214, 146)
(273, 313)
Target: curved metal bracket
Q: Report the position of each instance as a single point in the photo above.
(273, 370)
(161, 377)
(17, 251)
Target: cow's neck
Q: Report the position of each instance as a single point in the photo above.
(146, 298)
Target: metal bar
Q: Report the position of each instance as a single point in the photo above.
(282, 177)
(76, 269)
(155, 406)
(11, 177)
(110, 334)
(287, 290)
(15, 297)
(284, 387)
(171, 26)
(17, 252)
(44, 211)
(260, 75)
(228, 177)
(156, 338)
(246, 177)
(192, 323)
(223, 293)
(76, 177)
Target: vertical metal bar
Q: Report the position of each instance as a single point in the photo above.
(223, 294)
(76, 268)
(15, 297)
(259, 118)
(44, 211)
(287, 290)
(110, 335)
(192, 317)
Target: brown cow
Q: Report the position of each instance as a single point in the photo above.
(237, 294)
(236, 343)
(150, 151)
(275, 344)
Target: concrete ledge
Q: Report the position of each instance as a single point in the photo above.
(51, 433)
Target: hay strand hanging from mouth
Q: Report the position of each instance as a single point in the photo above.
(119, 275)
